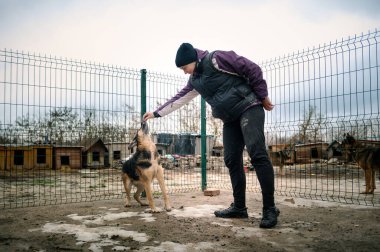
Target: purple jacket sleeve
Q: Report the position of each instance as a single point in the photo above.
(183, 97)
(229, 61)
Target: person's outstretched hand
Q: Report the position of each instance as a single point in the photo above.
(148, 115)
(267, 104)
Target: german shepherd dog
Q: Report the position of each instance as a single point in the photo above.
(368, 158)
(142, 168)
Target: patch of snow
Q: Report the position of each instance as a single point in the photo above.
(177, 247)
(300, 202)
(114, 209)
(101, 235)
(97, 236)
(120, 248)
(221, 224)
(147, 217)
(196, 211)
(107, 216)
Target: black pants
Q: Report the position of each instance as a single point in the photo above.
(248, 131)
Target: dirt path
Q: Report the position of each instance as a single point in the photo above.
(304, 225)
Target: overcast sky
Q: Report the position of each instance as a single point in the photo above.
(146, 34)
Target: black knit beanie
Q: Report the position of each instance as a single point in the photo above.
(186, 54)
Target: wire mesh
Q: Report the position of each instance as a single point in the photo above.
(321, 94)
(177, 136)
(59, 118)
(65, 126)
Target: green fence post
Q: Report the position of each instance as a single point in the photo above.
(143, 92)
(203, 144)
(143, 102)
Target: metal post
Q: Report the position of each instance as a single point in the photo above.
(203, 144)
(143, 103)
(143, 91)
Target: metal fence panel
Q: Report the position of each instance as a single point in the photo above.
(320, 95)
(65, 126)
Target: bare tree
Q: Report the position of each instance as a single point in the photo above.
(362, 129)
(61, 125)
(190, 115)
(8, 134)
(130, 121)
(310, 127)
(316, 127)
(214, 126)
(305, 126)
(25, 127)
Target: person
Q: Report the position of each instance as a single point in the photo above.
(235, 89)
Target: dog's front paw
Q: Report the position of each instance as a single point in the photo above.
(127, 205)
(366, 193)
(168, 209)
(154, 210)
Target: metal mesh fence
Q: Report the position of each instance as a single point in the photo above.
(323, 96)
(58, 119)
(177, 136)
(65, 126)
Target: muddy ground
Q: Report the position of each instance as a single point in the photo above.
(304, 225)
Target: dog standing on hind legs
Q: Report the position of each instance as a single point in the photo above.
(142, 168)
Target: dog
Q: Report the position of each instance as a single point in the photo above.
(368, 158)
(284, 156)
(140, 170)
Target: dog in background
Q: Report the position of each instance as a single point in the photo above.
(142, 168)
(368, 158)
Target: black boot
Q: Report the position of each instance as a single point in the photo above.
(269, 219)
(232, 212)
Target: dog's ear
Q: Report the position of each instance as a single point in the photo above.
(134, 142)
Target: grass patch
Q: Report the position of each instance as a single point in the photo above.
(44, 182)
(97, 186)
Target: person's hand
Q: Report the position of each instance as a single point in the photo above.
(148, 115)
(267, 104)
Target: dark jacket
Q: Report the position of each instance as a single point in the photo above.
(228, 94)
(229, 83)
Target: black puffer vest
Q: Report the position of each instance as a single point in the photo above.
(228, 95)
